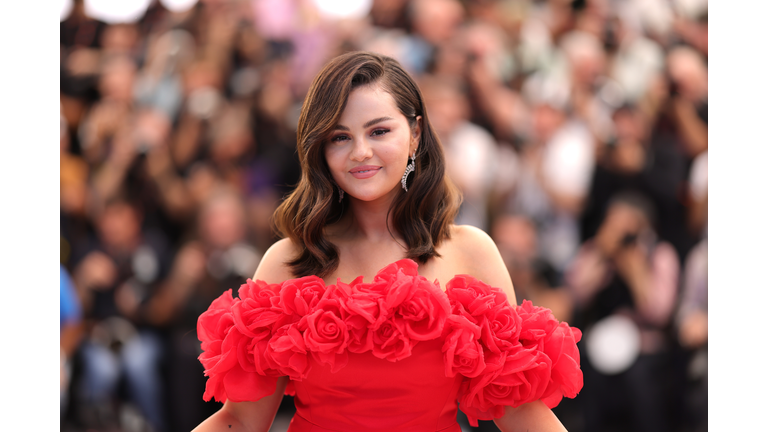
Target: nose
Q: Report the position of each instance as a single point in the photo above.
(361, 150)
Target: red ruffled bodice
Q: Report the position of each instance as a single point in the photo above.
(394, 354)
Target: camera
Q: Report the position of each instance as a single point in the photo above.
(629, 239)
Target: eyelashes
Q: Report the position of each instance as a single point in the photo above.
(374, 133)
(338, 138)
(379, 132)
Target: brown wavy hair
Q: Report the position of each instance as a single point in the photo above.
(422, 216)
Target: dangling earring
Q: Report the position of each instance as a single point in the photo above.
(341, 193)
(408, 169)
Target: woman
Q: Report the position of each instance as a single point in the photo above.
(358, 310)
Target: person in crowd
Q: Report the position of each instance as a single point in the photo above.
(70, 332)
(73, 195)
(219, 256)
(534, 279)
(689, 98)
(373, 200)
(555, 166)
(432, 22)
(691, 317)
(117, 279)
(674, 116)
(624, 284)
(470, 150)
(691, 322)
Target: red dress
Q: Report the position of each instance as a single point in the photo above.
(396, 354)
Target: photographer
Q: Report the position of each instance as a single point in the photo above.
(624, 283)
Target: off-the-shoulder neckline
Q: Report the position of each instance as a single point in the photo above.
(407, 265)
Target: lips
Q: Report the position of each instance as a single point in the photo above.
(364, 171)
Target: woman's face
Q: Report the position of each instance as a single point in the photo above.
(369, 148)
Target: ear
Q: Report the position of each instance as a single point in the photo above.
(416, 132)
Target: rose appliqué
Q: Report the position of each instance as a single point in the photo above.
(326, 335)
(507, 355)
(228, 356)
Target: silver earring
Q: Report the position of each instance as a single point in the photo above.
(408, 169)
(341, 193)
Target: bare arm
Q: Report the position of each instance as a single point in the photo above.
(256, 416)
(246, 416)
(530, 417)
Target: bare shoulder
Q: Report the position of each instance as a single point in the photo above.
(475, 253)
(473, 247)
(273, 267)
(472, 239)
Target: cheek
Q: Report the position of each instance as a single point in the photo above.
(335, 161)
(396, 154)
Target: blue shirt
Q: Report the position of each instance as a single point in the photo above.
(70, 310)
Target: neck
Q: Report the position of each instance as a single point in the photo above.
(369, 220)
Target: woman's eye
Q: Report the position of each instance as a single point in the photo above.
(339, 138)
(378, 132)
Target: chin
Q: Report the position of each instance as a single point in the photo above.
(370, 196)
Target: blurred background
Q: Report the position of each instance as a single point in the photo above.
(576, 129)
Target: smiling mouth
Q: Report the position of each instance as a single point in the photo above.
(364, 169)
(364, 172)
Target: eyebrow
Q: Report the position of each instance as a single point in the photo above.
(367, 124)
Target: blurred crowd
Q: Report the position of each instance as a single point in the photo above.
(576, 129)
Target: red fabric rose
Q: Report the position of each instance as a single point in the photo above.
(360, 335)
(399, 306)
(470, 397)
(523, 378)
(228, 356)
(474, 414)
(557, 340)
(213, 325)
(287, 352)
(371, 305)
(487, 307)
(255, 314)
(326, 333)
(390, 287)
(242, 382)
(389, 342)
(407, 266)
(536, 324)
(528, 354)
(462, 351)
(340, 291)
(368, 305)
(298, 297)
(363, 310)
(501, 328)
(567, 379)
(258, 308)
(424, 310)
(473, 298)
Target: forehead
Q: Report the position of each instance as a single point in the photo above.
(369, 101)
